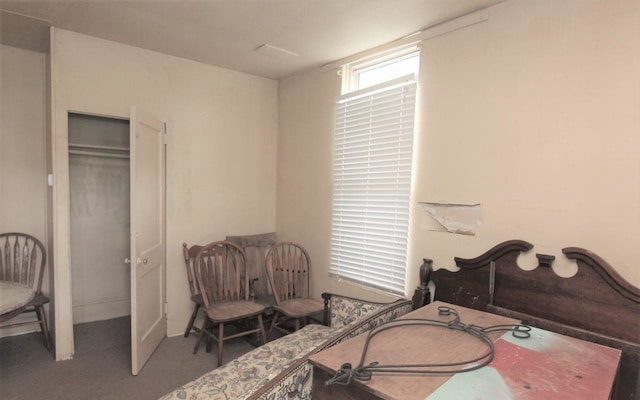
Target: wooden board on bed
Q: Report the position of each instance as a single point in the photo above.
(595, 304)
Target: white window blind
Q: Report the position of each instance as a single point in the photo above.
(372, 184)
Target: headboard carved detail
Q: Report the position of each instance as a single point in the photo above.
(605, 270)
(501, 250)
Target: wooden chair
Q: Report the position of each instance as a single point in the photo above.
(224, 285)
(289, 268)
(190, 254)
(22, 261)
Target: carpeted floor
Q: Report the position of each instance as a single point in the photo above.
(101, 368)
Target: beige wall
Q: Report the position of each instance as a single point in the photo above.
(221, 151)
(534, 114)
(22, 160)
(22, 148)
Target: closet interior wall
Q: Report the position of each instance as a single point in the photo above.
(99, 196)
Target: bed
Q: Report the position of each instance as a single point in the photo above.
(595, 304)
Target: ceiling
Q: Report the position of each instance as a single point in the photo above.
(227, 33)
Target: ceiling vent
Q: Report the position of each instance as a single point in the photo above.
(276, 52)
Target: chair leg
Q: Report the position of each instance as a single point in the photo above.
(42, 318)
(263, 333)
(220, 341)
(273, 322)
(192, 320)
(205, 323)
(208, 338)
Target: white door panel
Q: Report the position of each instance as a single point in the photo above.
(148, 286)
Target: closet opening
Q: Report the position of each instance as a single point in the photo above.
(99, 198)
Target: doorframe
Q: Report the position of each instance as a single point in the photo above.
(60, 219)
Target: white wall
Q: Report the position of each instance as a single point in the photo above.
(534, 114)
(22, 149)
(221, 152)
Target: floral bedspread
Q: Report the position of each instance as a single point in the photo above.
(248, 375)
(346, 311)
(241, 377)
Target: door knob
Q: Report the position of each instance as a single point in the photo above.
(127, 260)
(143, 261)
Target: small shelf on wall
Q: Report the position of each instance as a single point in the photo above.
(99, 151)
(91, 135)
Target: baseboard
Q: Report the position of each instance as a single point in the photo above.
(100, 311)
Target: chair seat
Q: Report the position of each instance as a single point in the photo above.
(25, 257)
(14, 296)
(38, 300)
(233, 310)
(298, 308)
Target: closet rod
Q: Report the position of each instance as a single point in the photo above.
(97, 147)
(98, 154)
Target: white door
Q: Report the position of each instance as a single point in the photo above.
(147, 159)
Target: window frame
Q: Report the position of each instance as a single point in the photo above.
(351, 72)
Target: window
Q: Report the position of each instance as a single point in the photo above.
(373, 151)
(372, 71)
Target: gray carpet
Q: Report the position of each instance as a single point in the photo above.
(101, 368)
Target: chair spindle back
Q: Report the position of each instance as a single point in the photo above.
(288, 266)
(22, 260)
(190, 255)
(221, 273)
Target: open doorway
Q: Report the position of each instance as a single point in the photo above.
(99, 177)
(145, 261)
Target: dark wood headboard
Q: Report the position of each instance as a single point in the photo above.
(595, 304)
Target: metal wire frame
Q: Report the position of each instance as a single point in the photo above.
(363, 372)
